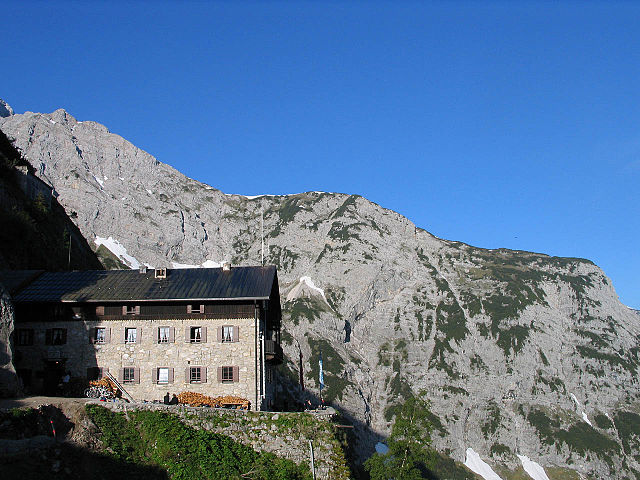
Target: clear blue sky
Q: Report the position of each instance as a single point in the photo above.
(496, 124)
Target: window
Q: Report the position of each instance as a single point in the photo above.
(24, 337)
(130, 335)
(164, 334)
(196, 334)
(131, 310)
(227, 334)
(96, 373)
(128, 375)
(56, 336)
(195, 374)
(163, 375)
(195, 308)
(227, 374)
(101, 335)
(269, 375)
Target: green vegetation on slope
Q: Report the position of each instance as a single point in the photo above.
(162, 440)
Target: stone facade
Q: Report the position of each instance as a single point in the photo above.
(80, 352)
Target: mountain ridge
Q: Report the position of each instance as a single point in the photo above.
(513, 349)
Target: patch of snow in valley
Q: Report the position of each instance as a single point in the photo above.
(99, 181)
(474, 463)
(579, 407)
(149, 192)
(533, 469)
(118, 250)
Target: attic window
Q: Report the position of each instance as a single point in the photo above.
(195, 308)
(161, 273)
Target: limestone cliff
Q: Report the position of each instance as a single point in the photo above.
(518, 352)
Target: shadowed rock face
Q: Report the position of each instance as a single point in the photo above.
(516, 351)
(8, 378)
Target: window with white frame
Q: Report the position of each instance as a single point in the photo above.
(227, 334)
(101, 335)
(128, 374)
(163, 375)
(130, 335)
(227, 374)
(195, 374)
(196, 334)
(164, 334)
(58, 336)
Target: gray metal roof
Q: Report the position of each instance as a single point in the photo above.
(239, 283)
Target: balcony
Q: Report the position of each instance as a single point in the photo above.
(272, 352)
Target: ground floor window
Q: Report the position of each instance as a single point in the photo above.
(195, 374)
(24, 337)
(128, 374)
(163, 375)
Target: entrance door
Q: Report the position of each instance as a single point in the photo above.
(53, 373)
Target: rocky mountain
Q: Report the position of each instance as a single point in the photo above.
(522, 355)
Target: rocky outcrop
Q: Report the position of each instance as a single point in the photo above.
(8, 378)
(5, 109)
(518, 352)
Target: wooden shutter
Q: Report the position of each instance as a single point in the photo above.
(219, 335)
(170, 375)
(172, 334)
(100, 310)
(137, 309)
(154, 375)
(204, 335)
(187, 375)
(48, 336)
(187, 334)
(236, 333)
(124, 335)
(107, 335)
(124, 309)
(64, 336)
(136, 375)
(188, 308)
(139, 337)
(203, 374)
(92, 336)
(219, 374)
(121, 375)
(236, 374)
(202, 309)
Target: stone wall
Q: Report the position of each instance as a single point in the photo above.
(147, 354)
(286, 434)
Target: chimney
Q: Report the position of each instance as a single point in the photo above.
(143, 269)
(161, 273)
(226, 266)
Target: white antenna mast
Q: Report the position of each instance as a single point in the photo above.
(262, 231)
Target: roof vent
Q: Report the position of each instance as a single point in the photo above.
(143, 269)
(161, 273)
(226, 266)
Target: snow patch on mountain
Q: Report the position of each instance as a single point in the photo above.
(533, 469)
(305, 287)
(474, 463)
(205, 264)
(118, 250)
